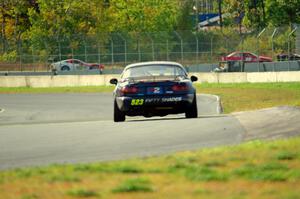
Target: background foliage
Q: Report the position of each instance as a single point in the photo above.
(36, 26)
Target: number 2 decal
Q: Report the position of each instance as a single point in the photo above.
(137, 102)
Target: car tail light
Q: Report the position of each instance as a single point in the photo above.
(129, 90)
(180, 87)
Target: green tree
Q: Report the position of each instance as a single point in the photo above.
(255, 13)
(67, 20)
(14, 21)
(144, 15)
(75, 20)
(237, 10)
(283, 12)
(184, 19)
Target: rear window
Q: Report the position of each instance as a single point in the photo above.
(154, 70)
(234, 54)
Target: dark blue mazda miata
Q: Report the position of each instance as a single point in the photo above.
(154, 89)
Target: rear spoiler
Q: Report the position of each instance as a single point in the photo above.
(156, 78)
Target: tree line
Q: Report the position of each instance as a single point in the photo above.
(44, 22)
(263, 13)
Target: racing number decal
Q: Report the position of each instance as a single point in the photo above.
(137, 102)
(156, 90)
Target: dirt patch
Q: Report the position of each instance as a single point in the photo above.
(271, 123)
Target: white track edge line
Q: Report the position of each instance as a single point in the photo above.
(219, 105)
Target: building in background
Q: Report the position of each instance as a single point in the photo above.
(209, 13)
(206, 6)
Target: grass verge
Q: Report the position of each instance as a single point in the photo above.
(257, 169)
(251, 96)
(82, 193)
(134, 185)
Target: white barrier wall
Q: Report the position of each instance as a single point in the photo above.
(232, 77)
(98, 80)
(255, 77)
(55, 81)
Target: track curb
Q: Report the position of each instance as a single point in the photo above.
(219, 107)
(219, 103)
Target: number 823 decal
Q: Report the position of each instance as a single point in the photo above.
(137, 102)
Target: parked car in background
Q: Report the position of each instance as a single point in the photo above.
(75, 64)
(287, 57)
(245, 57)
(154, 89)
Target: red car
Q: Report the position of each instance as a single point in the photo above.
(246, 57)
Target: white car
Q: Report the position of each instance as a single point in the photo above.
(75, 64)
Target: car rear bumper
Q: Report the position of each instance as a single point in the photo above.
(155, 105)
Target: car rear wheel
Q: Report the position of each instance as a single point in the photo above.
(192, 111)
(65, 68)
(93, 67)
(119, 116)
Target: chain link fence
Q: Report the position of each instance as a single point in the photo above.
(298, 40)
(115, 50)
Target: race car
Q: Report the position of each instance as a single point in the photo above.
(288, 57)
(75, 64)
(246, 57)
(154, 89)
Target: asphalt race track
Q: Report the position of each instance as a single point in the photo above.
(53, 108)
(43, 129)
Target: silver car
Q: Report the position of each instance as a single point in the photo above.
(75, 64)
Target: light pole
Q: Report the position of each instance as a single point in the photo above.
(289, 46)
(272, 40)
(258, 36)
(195, 8)
(289, 41)
(220, 13)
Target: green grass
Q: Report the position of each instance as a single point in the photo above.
(204, 173)
(270, 171)
(134, 185)
(286, 155)
(256, 169)
(251, 96)
(275, 85)
(29, 196)
(107, 168)
(62, 178)
(82, 193)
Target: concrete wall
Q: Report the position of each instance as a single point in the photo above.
(55, 81)
(252, 67)
(248, 77)
(97, 80)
